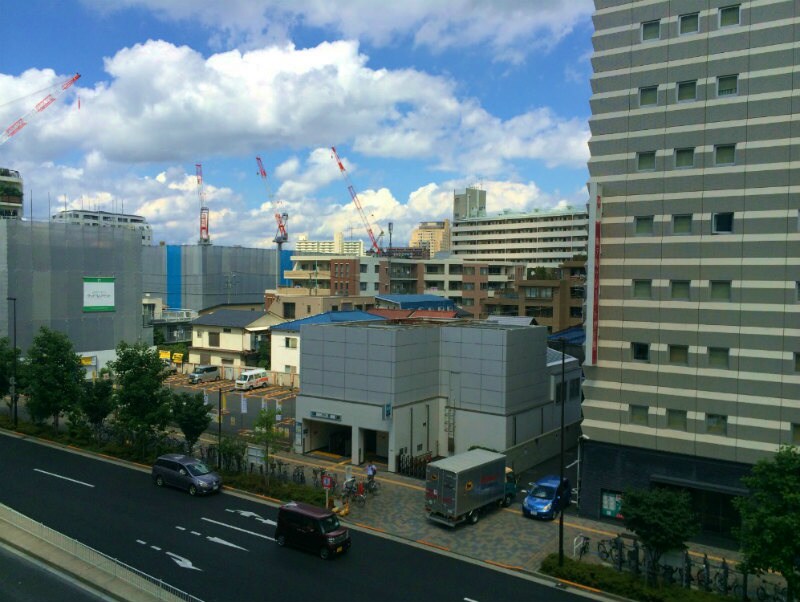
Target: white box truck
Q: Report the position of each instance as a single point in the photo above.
(461, 487)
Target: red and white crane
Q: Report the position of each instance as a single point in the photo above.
(58, 90)
(205, 239)
(282, 219)
(376, 248)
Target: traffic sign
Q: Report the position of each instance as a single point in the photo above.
(327, 482)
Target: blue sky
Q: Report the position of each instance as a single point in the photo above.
(420, 98)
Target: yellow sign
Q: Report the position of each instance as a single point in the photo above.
(87, 361)
(177, 358)
(163, 354)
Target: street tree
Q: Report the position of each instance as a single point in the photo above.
(266, 435)
(143, 401)
(54, 376)
(96, 403)
(663, 520)
(770, 517)
(190, 413)
(6, 366)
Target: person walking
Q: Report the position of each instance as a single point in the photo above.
(372, 470)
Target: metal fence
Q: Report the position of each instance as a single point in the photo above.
(625, 554)
(119, 570)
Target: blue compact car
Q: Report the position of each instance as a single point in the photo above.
(546, 498)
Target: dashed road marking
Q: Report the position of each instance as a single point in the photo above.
(216, 522)
(58, 476)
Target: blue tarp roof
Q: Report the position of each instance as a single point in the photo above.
(418, 301)
(329, 317)
(575, 335)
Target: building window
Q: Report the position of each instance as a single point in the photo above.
(725, 154)
(687, 91)
(640, 352)
(729, 16)
(684, 157)
(646, 161)
(289, 311)
(642, 289)
(718, 357)
(651, 30)
(682, 224)
(290, 342)
(796, 434)
(722, 223)
(689, 23)
(727, 85)
(362, 286)
(716, 424)
(639, 415)
(796, 361)
(226, 330)
(680, 289)
(362, 268)
(213, 339)
(676, 420)
(648, 96)
(679, 354)
(575, 312)
(720, 290)
(643, 225)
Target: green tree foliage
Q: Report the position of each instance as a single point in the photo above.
(663, 519)
(6, 366)
(190, 413)
(771, 516)
(54, 376)
(265, 435)
(142, 399)
(96, 403)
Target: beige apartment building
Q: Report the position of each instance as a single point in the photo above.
(693, 326)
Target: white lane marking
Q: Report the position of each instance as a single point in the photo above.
(248, 514)
(180, 528)
(58, 476)
(182, 562)
(225, 543)
(156, 548)
(144, 543)
(469, 600)
(236, 528)
(195, 532)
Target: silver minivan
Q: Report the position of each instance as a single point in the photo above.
(185, 472)
(203, 374)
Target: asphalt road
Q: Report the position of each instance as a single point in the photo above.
(23, 580)
(221, 547)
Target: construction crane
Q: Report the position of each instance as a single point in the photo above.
(58, 90)
(376, 247)
(282, 219)
(205, 239)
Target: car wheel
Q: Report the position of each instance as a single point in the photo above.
(160, 481)
(507, 501)
(473, 517)
(192, 490)
(324, 553)
(280, 540)
(525, 513)
(217, 378)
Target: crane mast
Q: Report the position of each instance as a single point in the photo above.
(40, 106)
(282, 219)
(205, 239)
(376, 248)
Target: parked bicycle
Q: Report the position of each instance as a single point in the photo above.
(580, 546)
(373, 486)
(771, 592)
(299, 475)
(608, 552)
(353, 490)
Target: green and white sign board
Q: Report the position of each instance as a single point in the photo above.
(98, 294)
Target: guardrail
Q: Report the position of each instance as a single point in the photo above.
(111, 566)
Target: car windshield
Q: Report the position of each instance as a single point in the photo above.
(543, 492)
(198, 469)
(329, 524)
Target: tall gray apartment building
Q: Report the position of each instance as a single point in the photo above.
(693, 321)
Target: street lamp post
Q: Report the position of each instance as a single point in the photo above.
(563, 400)
(14, 365)
(219, 427)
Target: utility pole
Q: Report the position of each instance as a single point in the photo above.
(219, 427)
(561, 460)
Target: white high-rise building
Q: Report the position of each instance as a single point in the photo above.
(106, 219)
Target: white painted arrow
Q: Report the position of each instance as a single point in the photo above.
(225, 543)
(182, 562)
(248, 514)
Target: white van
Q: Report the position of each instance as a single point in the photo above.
(250, 379)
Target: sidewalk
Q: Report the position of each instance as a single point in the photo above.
(502, 537)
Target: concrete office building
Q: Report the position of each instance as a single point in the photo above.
(106, 219)
(338, 245)
(693, 354)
